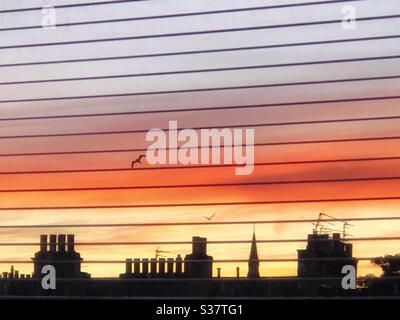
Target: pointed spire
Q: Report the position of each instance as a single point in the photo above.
(253, 250)
(253, 259)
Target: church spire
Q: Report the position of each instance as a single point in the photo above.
(253, 250)
(253, 259)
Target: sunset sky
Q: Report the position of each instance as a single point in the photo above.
(199, 100)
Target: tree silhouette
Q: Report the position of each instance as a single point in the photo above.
(390, 264)
(367, 281)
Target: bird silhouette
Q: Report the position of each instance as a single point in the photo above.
(209, 217)
(138, 160)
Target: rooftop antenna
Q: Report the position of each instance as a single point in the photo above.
(318, 226)
(158, 251)
(345, 224)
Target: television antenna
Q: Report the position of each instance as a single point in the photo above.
(158, 251)
(320, 228)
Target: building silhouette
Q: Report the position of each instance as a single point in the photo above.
(198, 264)
(327, 256)
(319, 274)
(153, 268)
(253, 259)
(195, 265)
(61, 255)
(14, 274)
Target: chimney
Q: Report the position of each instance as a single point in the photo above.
(170, 266)
(218, 272)
(128, 267)
(53, 240)
(71, 242)
(178, 264)
(153, 266)
(161, 266)
(336, 236)
(136, 266)
(145, 266)
(237, 272)
(199, 246)
(61, 243)
(43, 243)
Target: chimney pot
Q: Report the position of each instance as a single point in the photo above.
(145, 266)
(153, 266)
(136, 266)
(199, 246)
(43, 243)
(71, 242)
(179, 264)
(53, 241)
(61, 243)
(161, 266)
(170, 266)
(128, 267)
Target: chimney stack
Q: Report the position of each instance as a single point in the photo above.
(53, 240)
(199, 246)
(153, 266)
(179, 264)
(71, 242)
(161, 266)
(136, 266)
(43, 243)
(336, 236)
(170, 266)
(128, 267)
(61, 243)
(145, 266)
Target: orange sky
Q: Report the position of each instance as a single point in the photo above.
(209, 118)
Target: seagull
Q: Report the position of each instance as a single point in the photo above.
(210, 217)
(138, 160)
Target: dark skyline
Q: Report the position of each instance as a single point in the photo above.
(77, 100)
(319, 273)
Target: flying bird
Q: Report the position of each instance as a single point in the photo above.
(138, 160)
(210, 217)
